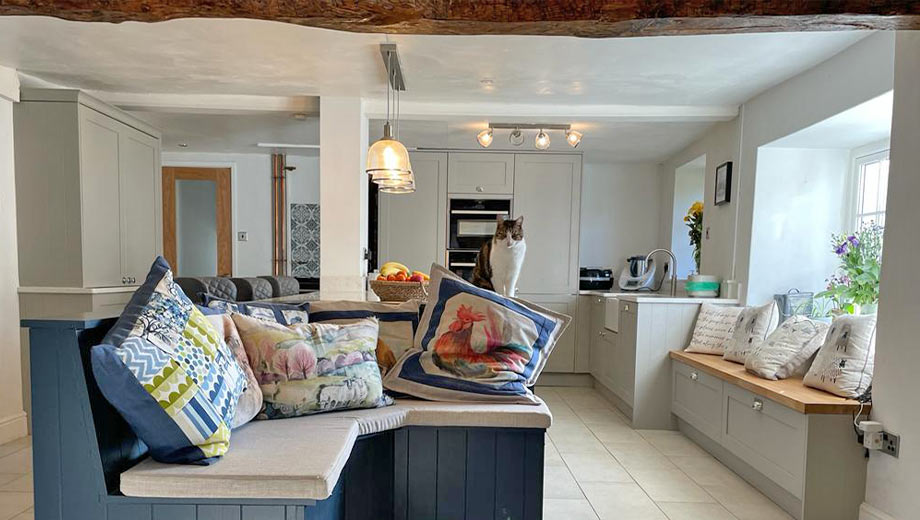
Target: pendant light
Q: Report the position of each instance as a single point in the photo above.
(387, 159)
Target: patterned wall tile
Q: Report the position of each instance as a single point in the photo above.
(305, 240)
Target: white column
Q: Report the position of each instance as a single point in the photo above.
(892, 483)
(342, 198)
(12, 416)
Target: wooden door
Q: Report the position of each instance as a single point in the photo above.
(412, 227)
(99, 192)
(139, 164)
(547, 193)
(221, 178)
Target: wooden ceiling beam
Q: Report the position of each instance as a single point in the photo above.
(584, 18)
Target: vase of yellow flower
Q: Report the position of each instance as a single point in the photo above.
(698, 285)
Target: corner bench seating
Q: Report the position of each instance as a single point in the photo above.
(411, 461)
(796, 444)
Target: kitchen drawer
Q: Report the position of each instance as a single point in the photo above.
(612, 314)
(697, 399)
(766, 435)
(480, 172)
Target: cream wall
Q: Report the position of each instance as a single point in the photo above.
(892, 483)
(12, 416)
(619, 212)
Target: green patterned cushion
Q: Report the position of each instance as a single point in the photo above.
(169, 373)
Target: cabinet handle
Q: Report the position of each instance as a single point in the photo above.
(480, 189)
(124, 280)
(694, 376)
(626, 307)
(132, 280)
(600, 300)
(758, 405)
(602, 334)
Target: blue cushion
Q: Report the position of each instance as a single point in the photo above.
(283, 313)
(168, 372)
(475, 345)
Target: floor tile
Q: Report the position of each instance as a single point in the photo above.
(638, 455)
(671, 443)
(567, 509)
(558, 482)
(706, 470)
(550, 454)
(595, 467)
(670, 485)
(614, 433)
(12, 504)
(746, 503)
(599, 416)
(618, 501)
(576, 442)
(22, 484)
(691, 511)
(19, 463)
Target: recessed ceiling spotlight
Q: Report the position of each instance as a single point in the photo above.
(573, 137)
(299, 116)
(487, 83)
(485, 138)
(516, 137)
(182, 145)
(542, 141)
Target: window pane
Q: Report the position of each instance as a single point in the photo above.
(870, 188)
(883, 186)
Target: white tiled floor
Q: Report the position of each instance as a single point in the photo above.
(599, 468)
(16, 480)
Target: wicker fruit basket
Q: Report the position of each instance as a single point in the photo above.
(399, 291)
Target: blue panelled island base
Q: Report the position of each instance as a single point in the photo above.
(81, 446)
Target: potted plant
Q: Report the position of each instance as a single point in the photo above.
(853, 288)
(698, 285)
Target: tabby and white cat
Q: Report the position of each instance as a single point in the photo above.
(499, 262)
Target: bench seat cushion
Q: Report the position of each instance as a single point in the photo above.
(302, 458)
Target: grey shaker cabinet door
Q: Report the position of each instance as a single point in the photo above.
(547, 192)
(99, 179)
(413, 226)
(140, 193)
(479, 172)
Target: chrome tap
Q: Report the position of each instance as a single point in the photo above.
(673, 267)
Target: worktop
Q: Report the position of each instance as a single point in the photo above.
(655, 297)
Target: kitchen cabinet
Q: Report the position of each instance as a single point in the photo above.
(547, 193)
(413, 226)
(87, 190)
(562, 359)
(488, 173)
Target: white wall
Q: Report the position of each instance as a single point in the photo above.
(719, 145)
(619, 213)
(251, 199)
(893, 483)
(689, 181)
(12, 416)
(800, 199)
(302, 188)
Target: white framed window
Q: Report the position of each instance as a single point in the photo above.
(870, 183)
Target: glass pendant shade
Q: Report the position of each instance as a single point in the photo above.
(542, 141)
(388, 160)
(573, 137)
(409, 188)
(516, 137)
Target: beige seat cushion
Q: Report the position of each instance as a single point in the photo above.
(302, 458)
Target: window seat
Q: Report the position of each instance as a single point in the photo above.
(303, 457)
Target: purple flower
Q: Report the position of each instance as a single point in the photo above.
(853, 240)
(841, 249)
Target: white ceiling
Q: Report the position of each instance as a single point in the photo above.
(636, 98)
(865, 123)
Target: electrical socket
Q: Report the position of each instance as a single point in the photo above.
(891, 444)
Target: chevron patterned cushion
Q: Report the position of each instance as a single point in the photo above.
(169, 373)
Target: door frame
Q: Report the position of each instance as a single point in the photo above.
(222, 179)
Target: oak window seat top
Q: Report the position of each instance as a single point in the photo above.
(791, 392)
(303, 457)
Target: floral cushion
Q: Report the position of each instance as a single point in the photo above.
(250, 402)
(398, 323)
(284, 313)
(474, 345)
(314, 367)
(168, 372)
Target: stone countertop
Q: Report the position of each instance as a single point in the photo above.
(655, 297)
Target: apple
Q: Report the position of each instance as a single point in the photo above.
(417, 278)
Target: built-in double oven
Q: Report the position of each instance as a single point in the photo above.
(471, 222)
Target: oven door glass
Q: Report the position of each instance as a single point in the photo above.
(476, 228)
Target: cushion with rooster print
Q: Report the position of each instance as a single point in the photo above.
(313, 367)
(475, 345)
(846, 360)
(169, 373)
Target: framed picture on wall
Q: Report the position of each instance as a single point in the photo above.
(723, 183)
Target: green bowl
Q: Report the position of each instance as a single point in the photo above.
(701, 286)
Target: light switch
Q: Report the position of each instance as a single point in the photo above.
(242, 236)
